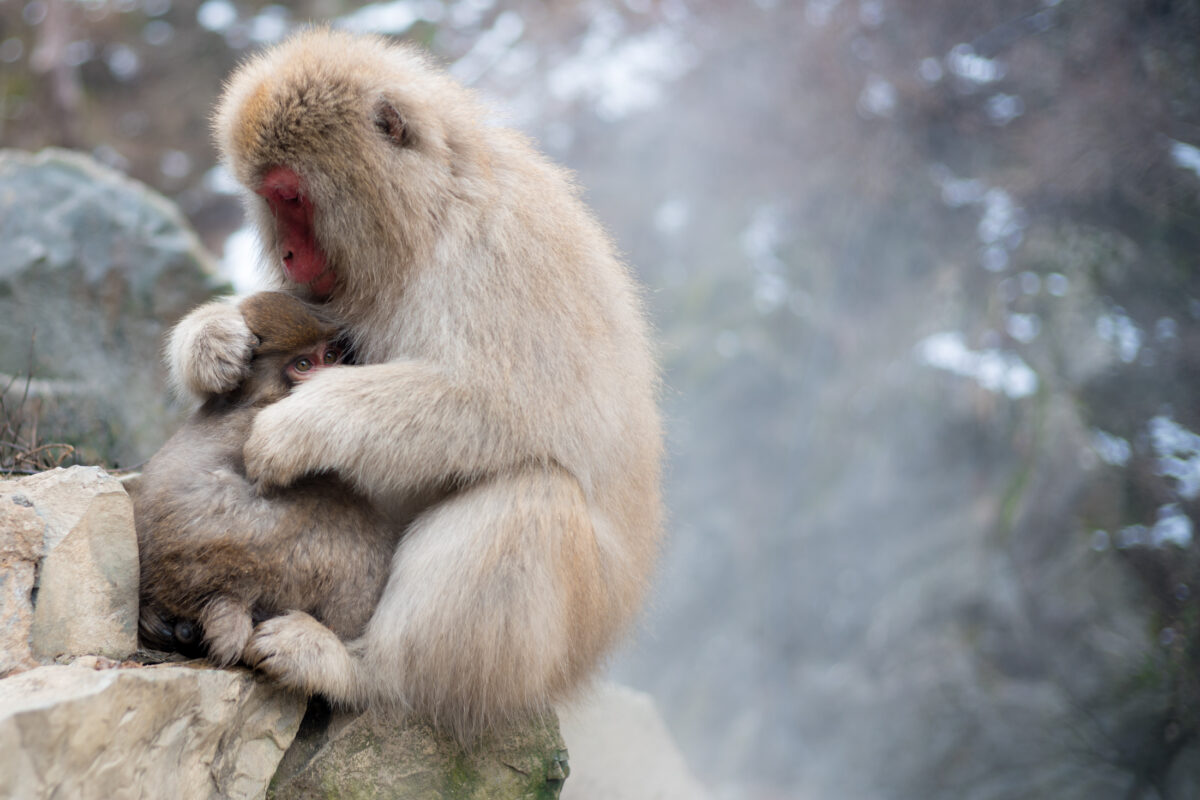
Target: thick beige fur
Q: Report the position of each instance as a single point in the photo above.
(213, 550)
(507, 399)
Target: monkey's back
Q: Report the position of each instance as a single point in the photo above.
(205, 532)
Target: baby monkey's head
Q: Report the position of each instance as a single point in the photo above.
(295, 341)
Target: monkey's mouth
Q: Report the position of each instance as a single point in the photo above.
(303, 260)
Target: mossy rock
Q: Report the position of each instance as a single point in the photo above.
(340, 757)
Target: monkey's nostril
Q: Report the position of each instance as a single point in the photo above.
(287, 256)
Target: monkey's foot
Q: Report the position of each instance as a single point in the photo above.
(303, 654)
(154, 628)
(227, 628)
(159, 630)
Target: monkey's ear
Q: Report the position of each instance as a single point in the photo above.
(392, 125)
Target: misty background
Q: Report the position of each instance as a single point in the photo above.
(925, 278)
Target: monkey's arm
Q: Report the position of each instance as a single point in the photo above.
(386, 428)
(208, 352)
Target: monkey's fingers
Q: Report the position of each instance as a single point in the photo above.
(281, 447)
(155, 629)
(209, 351)
(303, 654)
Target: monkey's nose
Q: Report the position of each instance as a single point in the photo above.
(287, 256)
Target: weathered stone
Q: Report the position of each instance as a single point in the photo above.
(98, 728)
(178, 731)
(368, 755)
(95, 267)
(20, 549)
(87, 583)
(621, 750)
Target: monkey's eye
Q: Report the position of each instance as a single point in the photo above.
(302, 364)
(332, 356)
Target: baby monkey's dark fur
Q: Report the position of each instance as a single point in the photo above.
(215, 552)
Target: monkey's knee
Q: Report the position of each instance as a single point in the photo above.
(539, 613)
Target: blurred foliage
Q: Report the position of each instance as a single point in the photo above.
(21, 451)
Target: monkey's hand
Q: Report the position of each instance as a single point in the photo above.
(303, 654)
(209, 351)
(289, 438)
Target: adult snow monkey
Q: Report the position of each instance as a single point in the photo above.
(506, 402)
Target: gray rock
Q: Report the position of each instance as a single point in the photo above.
(369, 755)
(98, 728)
(21, 531)
(94, 268)
(87, 580)
(119, 733)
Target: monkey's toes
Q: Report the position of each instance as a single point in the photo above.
(300, 652)
(226, 647)
(155, 629)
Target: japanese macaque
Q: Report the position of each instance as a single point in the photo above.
(505, 398)
(216, 552)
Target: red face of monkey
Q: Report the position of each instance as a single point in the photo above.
(303, 261)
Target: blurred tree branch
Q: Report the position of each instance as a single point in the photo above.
(60, 78)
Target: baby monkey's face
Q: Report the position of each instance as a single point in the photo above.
(305, 365)
(274, 373)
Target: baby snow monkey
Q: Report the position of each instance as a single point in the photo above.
(217, 552)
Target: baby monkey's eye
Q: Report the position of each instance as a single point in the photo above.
(332, 355)
(302, 365)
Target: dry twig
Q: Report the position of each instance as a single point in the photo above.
(20, 452)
